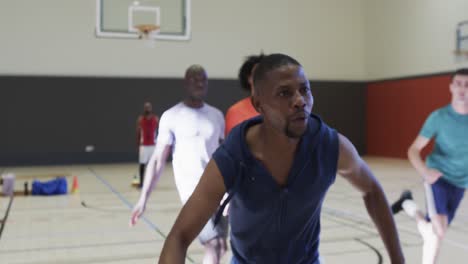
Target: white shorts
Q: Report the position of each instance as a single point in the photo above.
(145, 154)
(210, 231)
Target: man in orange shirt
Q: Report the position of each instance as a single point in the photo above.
(243, 109)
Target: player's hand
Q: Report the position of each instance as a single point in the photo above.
(137, 212)
(432, 175)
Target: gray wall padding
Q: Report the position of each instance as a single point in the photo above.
(50, 120)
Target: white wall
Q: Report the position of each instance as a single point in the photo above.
(411, 37)
(56, 37)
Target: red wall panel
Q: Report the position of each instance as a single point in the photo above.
(396, 110)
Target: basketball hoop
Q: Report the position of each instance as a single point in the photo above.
(147, 32)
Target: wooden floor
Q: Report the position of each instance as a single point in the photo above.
(92, 225)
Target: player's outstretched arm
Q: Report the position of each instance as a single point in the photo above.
(153, 172)
(356, 171)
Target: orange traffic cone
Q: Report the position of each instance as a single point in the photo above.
(75, 187)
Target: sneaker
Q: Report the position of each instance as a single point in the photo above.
(136, 180)
(396, 206)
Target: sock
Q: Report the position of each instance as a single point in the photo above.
(431, 244)
(142, 174)
(410, 207)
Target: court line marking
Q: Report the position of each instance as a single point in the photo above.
(5, 217)
(360, 218)
(377, 252)
(130, 206)
(97, 231)
(83, 246)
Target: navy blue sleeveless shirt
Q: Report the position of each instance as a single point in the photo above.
(269, 223)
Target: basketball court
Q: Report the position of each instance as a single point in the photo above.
(132, 48)
(91, 226)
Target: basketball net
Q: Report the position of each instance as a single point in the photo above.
(147, 33)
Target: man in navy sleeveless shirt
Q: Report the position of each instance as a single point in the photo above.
(277, 169)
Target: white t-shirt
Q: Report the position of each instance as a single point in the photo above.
(194, 133)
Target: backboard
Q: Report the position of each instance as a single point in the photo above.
(461, 40)
(118, 18)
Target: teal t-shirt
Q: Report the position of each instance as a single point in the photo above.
(450, 154)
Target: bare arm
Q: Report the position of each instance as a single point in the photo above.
(414, 156)
(194, 215)
(152, 174)
(154, 170)
(356, 171)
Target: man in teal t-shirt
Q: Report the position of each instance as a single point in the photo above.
(450, 155)
(445, 172)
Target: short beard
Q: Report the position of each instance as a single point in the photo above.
(196, 98)
(290, 134)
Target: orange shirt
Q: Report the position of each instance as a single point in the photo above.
(239, 112)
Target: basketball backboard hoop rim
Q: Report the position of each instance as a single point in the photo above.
(156, 10)
(183, 37)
